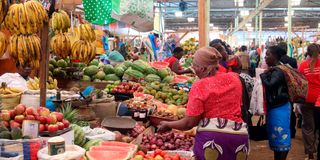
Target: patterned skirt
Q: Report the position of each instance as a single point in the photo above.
(278, 127)
(221, 139)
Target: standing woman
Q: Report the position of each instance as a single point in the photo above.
(311, 114)
(215, 107)
(278, 105)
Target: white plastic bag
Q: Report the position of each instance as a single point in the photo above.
(73, 152)
(99, 133)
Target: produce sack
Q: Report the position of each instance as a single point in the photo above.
(73, 152)
(137, 13)
(98, 11)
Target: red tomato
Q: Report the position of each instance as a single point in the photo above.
(158, 152)
(168, 158)
(163, 153)
(176, 157)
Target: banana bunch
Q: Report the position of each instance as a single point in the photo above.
(60, 45)
(52, 83)
(60, 21)
(83, 50)
(26, 49)
(3, 44)
(9, 90)
(34, 84)
(86, 32)
(4, 7)
(26, 18)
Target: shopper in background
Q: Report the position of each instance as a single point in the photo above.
(143, 55)
(215, 107)
(311, 114)
(223, 64)
(244, 59)
(278, 105)
(174, 63)
(134, 54)
(18, 79)
(285, 59)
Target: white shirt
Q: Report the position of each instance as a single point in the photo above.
(14, 80)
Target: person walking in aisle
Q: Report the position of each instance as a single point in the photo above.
(215, 107)
(311, 114)
(244, 59)
(278, 105)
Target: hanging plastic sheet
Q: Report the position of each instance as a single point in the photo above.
(98, 11)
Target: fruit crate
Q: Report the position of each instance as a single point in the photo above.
(20, 149)
(138, 140)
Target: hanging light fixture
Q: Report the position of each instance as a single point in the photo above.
(191, 19)
(178, 14)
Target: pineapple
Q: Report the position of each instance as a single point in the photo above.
(69, 113)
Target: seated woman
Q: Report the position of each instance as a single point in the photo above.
(215, 107)
(174, 64)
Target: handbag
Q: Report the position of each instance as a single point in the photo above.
(258, 132)
(296, 82)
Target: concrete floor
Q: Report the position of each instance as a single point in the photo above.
(260, 150)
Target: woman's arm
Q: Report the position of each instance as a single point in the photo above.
(175, 69)
(184, 124)
(275, 78)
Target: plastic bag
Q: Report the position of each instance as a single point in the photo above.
(115, 56)
(137, 13)
(99, 133)
(73, 152)
(98, 11)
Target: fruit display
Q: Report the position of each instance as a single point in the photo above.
(60, 45)
(127, 88)
(49, 121)
(79, 135)
(86, 32)
(15, 133)
(136, 131)
(83, 50)
(3, 43)
(26, 49)
(26, 18)
(4, 7)
(166, 94)
(168, 141)
(91, 143)
(158, 154)
(60, 21)
(190, 45)
(4, 89)
(109, 150)
(34, 83)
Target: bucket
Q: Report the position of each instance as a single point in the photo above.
(30, 100)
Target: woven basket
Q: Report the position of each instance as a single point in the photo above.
(10, 101)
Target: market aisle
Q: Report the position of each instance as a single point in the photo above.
(261, 151)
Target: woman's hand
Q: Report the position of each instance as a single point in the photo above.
(163, 127)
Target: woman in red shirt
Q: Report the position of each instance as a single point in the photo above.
(310, 114)
(174, 64)
(215, 107)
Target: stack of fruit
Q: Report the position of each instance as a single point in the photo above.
(168, 141)
(4, 7)
(34, 83)
(190, 45)
(4, 90)
(172, 112)
(84, 49)
(157, 155)
(51, 122)
(60, 43)
(164, 93)
(25, 20)
(127, 88)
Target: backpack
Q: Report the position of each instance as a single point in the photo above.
(296, 82)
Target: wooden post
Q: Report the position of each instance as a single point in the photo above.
(203, 22)
(186, 33)
(44, 63)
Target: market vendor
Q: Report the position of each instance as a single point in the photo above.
(215, 107)
(19, 79)
(174, 63)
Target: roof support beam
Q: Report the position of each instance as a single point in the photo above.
(263, 4)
